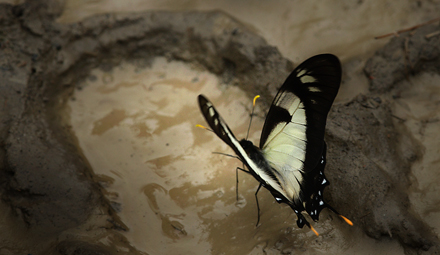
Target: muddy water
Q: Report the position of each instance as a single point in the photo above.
(136, 128)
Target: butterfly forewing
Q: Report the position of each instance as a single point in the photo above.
(294, 129)
(216, 122)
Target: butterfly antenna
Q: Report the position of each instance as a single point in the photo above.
(200, 126)
(252, 114)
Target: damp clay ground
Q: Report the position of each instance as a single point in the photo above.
(100, 153)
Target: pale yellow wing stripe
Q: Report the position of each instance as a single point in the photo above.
(289, 147)
(287, 158)
(285, 148)
(288, 174)
(288, 101)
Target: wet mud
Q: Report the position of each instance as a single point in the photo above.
(49, 186)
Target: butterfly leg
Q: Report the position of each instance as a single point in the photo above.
(236, 177)
(236, 184)
(258, 205)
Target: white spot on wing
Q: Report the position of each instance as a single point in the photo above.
(301, 73)
(304, 77)
(314, 89)
(211, 112)
(307, 79)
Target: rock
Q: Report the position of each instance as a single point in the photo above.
(405, 55)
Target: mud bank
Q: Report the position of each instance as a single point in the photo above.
(49, 185)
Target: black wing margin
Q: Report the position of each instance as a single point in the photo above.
(316, 83)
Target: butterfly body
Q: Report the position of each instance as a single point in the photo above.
(291, 156)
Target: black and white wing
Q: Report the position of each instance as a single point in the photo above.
(292, 140)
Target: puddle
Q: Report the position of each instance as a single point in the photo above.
(137, 129)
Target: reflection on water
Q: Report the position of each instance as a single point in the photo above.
(137, 129)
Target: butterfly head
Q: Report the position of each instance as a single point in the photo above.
(248, 146)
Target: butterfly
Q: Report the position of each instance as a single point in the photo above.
(291, 157)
